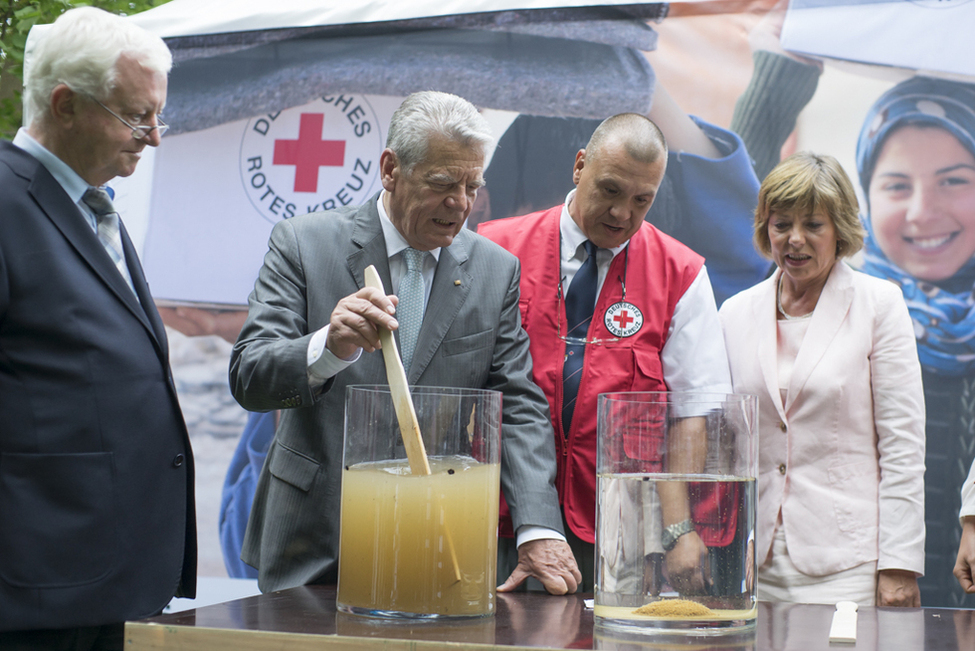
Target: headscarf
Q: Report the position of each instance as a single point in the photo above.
(943, 314)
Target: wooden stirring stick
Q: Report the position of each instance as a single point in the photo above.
(409, 428)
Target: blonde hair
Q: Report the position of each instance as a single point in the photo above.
(806, 183)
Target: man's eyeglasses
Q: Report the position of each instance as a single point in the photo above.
(577, 341)
(140, 132)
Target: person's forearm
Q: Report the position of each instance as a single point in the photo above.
(766, 112)
(686, 453)
(681, 132)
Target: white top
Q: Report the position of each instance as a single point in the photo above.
(790, 335)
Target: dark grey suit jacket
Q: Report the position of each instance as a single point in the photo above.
(471, 337)
(96, 473)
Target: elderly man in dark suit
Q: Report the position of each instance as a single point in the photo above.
(313, 329)
(96, 472)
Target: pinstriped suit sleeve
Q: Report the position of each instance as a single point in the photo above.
(528, 448)
(268, 365)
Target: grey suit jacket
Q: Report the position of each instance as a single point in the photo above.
(471, 337)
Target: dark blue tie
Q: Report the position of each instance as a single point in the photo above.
(580, 301)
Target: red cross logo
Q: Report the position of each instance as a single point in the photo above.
(623, 319)
(309, 152)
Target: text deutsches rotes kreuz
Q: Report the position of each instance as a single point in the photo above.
(321, 156)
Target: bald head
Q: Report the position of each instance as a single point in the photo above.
(617, 176)
(639, 137)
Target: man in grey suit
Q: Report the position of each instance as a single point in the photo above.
(313, 329)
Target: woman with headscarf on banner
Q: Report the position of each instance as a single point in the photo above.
(916, 162)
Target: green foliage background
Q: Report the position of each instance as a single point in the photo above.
(16, 19)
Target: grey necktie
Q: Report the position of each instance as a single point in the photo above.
(108, 228)
(409, 313)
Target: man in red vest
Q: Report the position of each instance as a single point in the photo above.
(648, 323)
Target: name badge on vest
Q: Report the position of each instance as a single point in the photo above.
(623, 319)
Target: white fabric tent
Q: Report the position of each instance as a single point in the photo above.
(180, 18)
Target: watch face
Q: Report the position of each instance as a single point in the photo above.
(673, 533)
(668, 540)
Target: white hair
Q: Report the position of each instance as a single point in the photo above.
(428, 115)
(81, 49)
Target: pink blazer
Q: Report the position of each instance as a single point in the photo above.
(843, 458)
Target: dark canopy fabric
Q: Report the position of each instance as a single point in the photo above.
(564, 62)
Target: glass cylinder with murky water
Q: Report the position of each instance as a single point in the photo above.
(416, 545)
(675, 512)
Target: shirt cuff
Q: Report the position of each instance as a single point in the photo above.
(322, 364)
(528, 533)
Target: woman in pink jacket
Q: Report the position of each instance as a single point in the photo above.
(830, 352)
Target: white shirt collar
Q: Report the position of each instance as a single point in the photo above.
(395, 242)
(73, 184)
(572, 235)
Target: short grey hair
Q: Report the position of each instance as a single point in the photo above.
(430, 115)
(81, 49)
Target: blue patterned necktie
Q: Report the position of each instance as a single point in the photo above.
(109, 233)
(409, 313)
(580, 301)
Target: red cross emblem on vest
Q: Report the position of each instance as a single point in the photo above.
(623, 319)
(309, 152)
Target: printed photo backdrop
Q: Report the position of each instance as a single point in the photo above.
(270, 123)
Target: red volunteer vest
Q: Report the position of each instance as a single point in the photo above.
(656, 270)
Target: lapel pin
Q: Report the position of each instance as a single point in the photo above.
(457, 283)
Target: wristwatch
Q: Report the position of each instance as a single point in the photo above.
(673, 533)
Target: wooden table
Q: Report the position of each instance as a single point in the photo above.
(306, 618)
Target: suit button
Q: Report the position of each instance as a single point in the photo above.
(178, 461)
(781, 468)
(782, 426)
